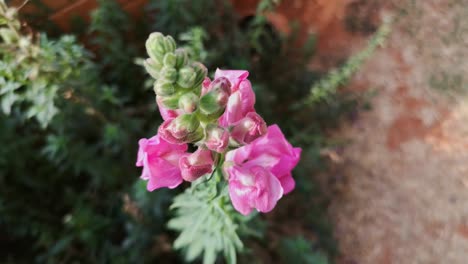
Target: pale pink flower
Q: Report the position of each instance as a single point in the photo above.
(160, 162)
(249, 128)
(260, 173)
(197, 164)
(217, 138)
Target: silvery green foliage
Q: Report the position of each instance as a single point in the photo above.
(207, 222)
(329, 85)
(34, 70)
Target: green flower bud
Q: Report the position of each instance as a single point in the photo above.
(213, 103)
(188, 102)
(152, 67)
(170, 60)
(187, 77)
(154, 46)
(181, 58)
(169, 44)
(163, 88)
(168, 74)
(183, 129)
(170, 102)
(157, 45)
(200, 71)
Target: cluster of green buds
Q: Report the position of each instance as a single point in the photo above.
(185, 106)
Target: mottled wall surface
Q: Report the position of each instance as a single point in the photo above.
(402, 195)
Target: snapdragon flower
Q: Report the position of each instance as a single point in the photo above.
(218, 118)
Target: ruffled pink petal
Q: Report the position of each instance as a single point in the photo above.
(241, 197)
(163, 174)
(269, 190)
(287, 182)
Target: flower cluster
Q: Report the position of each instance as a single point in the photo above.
(218, 117)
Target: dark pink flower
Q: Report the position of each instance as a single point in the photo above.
(242, 98)
(260, 172)
(197, 164)
(160, 162)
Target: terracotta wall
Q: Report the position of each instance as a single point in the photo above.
(64, 10)
(324, 17)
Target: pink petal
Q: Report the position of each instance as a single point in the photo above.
(269, 190)
(287, 182)
(163, 174)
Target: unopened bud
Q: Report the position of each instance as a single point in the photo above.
(157, 45)
(200, 71)
(152, 67)
(154, 46)
(221, 83)
(183, 129)
(216, 99)
(169, 102)
(163, 87)
(188, 102)
(196, 164)
(249, 128)
(169, 60)
(187, 77)
(168, 74)
(181, 58)
(217, 138)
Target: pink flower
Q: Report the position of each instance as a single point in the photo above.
(165, 112)
(217, 138)
(197, 164)
(260, 173)
(249, 128)
(242, 98)
(160, 162)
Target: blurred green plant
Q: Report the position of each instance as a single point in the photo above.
(328, 86)
(300, 250)
(63, 178)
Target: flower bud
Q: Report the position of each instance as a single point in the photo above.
(216, 99)
(168, 74)
(152, 67)
(195, 165)
(168, 112)
(221, 83)
(201, 71)
(183, 129)
(187, 77)
(181, 58)
(217, 138)
(154, 46)
(188, 102)
(157, 45)
(169, 102)
(169, 60)
(249, 128)
(169, 44)
(163, 87)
